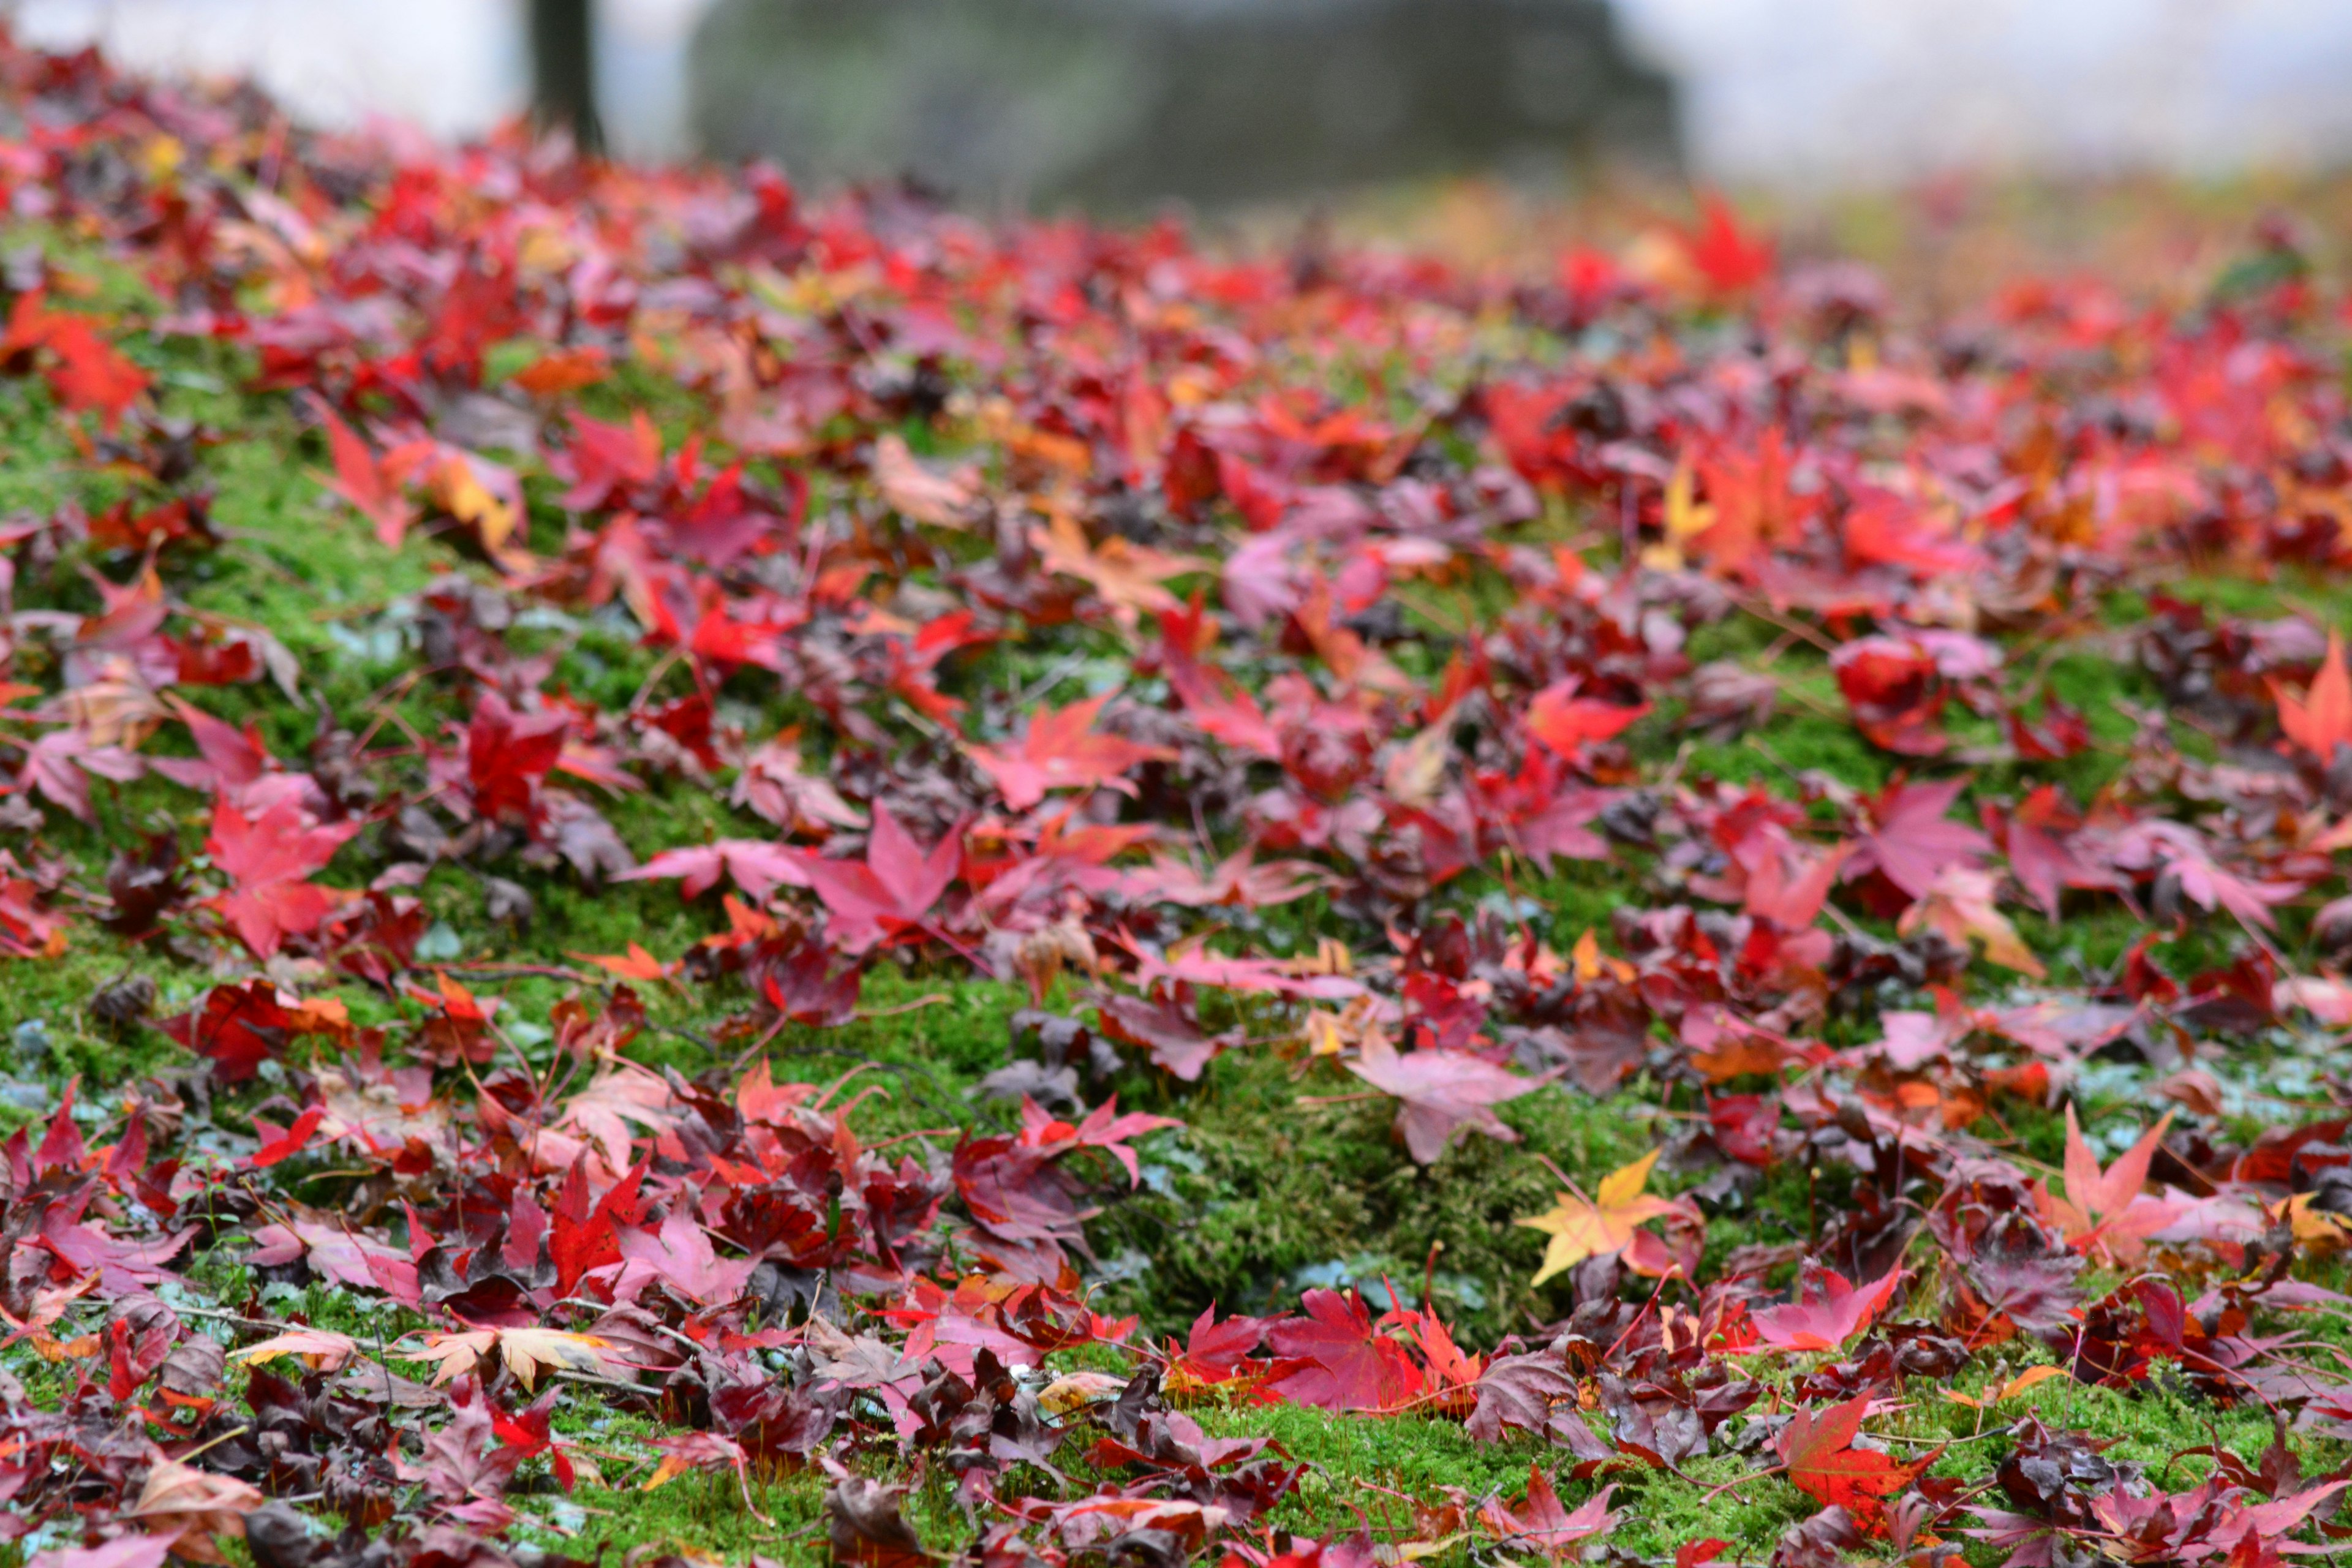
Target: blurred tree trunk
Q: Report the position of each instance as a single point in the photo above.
(564, 70)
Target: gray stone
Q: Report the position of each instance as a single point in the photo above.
(1122, 103)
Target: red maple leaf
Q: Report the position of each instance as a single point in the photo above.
(584, 1233)
(364, 480)
(1911, 840)
(241, 1026)
(1060, 749)
(681, 1253)
(1214, 1351)
(2108, 1212)
(605, 462)
(1817, 1447)
(1542, 1522)
(92, 372)
(508, 753)
(268, 861)
(758, 868)
(1170, 1031)
(1333, 1359)
(28, 929)
(230, 758)
(1896, 692)
(1730, 258)
(1444, 1091)
(85, 371)
(1565, 722)
(2059, 733)
(1829, 1310)
(1216, 703)
(914, 663)
(2037, 835)
(891, 892)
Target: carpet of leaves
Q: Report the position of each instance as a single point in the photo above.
(1347, 599)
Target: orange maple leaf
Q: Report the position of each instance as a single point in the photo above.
(1062, 749)
(2322, 720)
(1818, 1448)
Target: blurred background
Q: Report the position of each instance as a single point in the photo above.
(1126, 104)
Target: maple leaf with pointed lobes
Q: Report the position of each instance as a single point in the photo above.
(1817, 1447)
(509, 753)
(2321, 720)
(320, 1350)
(758, 868)
(1566, 722)
(1334, 1359)
(85, 371)
(527, 1352)
(1731, 259)
(621, 1094)
(1960, 904)
(2060, 732)
(59, 763)
(363, 479)
(1443, 1093)
(1542, 1522)
(892, 892)
(268, 861)
(772, 785)
(241, 1026)
(1792, 901)
(2108, 1212)
(1235, 880)
(681, 1252)
(1829, 1310)
(915, 662)
(2037, 835)
(1911, 839)
(1169, 1032)
(604, 461)
(1607, 1223)
(1125, 575)
(1060, 749)
(2183, 860)
(279, 1145)
(1214, 1353)
(921, 493)
(1214, 701)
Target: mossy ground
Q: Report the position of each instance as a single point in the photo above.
(1257, 1196)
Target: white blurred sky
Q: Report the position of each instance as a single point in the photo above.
(1787, 92)
(1826, 92)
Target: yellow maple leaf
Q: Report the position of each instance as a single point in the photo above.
(1581, 1228)
(459, 490)
(527, 1353)
(321, 1350)
(1685, 518)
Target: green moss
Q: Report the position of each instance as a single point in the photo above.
(1262, 1194)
